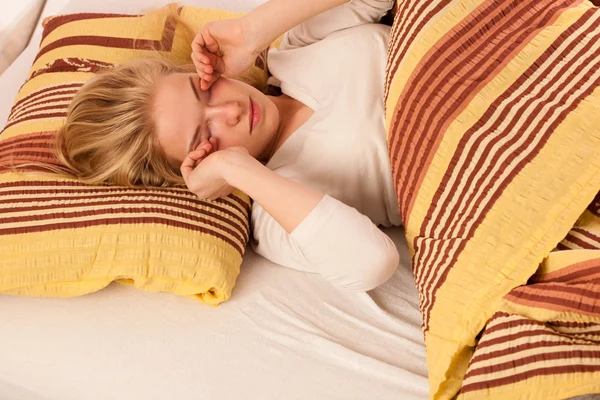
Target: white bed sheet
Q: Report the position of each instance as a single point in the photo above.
(283, 335)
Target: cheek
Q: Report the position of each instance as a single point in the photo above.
(226, 141)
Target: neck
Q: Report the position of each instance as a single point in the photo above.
(285, 107)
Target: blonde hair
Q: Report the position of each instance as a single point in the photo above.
(109, 133)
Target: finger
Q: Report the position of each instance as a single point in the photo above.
(197, 157)
(198, 42)
(187, 166)
(201, 58)
(196, 59)
(203, 69)
(214, 142)
(212, 59)
(209, 41)
(206, 81)
(205, 145)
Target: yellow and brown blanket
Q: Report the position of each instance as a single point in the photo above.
(493, 116)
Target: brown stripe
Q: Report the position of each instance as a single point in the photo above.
(569, 274)
(14, 155)
(34, 105)
(579, 242)
(523, 347)
(165, 44)
(121, 221)
(510, 324)
(506, 339)
(100, 193)
(564, 369)
(32, 146)
(394, 50)
(572, 324)
(594, 206)
(106, 189)
(106, 212)
(214, 211)
(30, 111)
(561, 246)
(241, 203)
(71, 65)
(27, 137)
(21, 141)
(587, 234)
(49, 91)
(25, 156)
(399, 35)
(430, 221)
(519, 362)
(174, 196)
(39, 116)
(60, 20)
(189, 196)
(562, 304)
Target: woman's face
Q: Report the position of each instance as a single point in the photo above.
(233, 112)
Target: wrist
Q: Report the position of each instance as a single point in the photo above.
(235, 164)
(257, 37)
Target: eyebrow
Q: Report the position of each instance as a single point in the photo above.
(195, 137)
(194, 88)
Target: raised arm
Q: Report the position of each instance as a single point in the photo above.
(275, 17)
(231, 46)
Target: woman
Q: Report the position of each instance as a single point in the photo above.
(313, 159)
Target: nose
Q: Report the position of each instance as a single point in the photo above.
(229, 112)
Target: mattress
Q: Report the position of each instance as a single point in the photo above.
(284, 334)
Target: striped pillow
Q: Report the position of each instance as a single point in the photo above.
(493, 116)
(59, 237)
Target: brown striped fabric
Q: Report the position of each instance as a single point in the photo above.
(493, 116)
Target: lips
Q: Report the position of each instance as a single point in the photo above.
(254, 116)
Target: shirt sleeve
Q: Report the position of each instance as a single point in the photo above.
(353, 13)
(334, 240)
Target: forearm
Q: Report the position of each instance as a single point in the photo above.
(275, 17)
(288, 202)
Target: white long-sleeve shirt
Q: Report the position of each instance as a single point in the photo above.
(335, 64)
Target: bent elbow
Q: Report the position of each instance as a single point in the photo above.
(381, 270)
(369, 270)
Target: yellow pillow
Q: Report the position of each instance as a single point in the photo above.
(59, 237)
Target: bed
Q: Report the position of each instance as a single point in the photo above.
(284, 334)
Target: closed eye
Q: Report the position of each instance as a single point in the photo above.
(197, 93)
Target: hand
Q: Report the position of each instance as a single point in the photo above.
(203, 169)
(223, 47)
